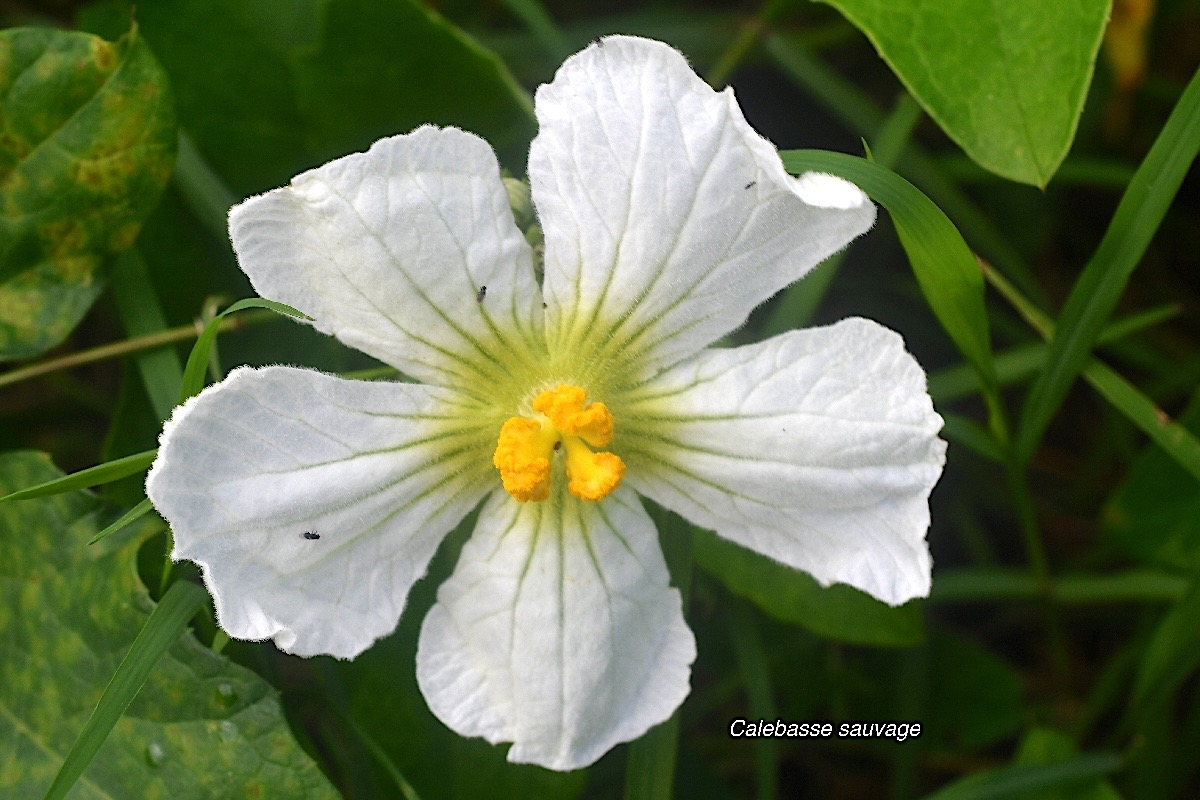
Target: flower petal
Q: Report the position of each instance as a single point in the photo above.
(667, 218)
(817, 448)
(389, 250)
(557, 631)
(313, 503)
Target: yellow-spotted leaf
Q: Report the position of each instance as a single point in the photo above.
(200, 726)
(87, 142)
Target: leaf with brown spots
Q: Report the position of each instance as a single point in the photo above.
(87, 142)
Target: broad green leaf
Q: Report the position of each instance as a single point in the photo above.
(269, 89)
(944, 266)
(1047, 746)
(974, 695)
(1103, 280)
(1155, 512)
(1005, 80)
(166, 624)
(1173, 652)
(86, 478)
(87, 141)
(423, 70)
(201, 726)
(838, 612)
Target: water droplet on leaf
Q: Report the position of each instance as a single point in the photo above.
(155, 754)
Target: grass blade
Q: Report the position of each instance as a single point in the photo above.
(1023, 780)
(142, 315)
(1176, 440)
(795, 309)
(181, 602)
(133, 514)
(197, 363)
(1103, 280)
(945, 268)
(92, 476)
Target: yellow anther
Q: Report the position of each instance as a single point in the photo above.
(523, 458)
(591, 476)
(526, 447)
(563, 405)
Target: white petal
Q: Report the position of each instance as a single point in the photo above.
(378, 471)
(817, 448)
(667, 218)
(389, 250)
(558, 631)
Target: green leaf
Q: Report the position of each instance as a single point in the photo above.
(1005, 80)
(974, 695)
(1047, 746)
(92, 476)
(1020, 781)
(197, 363)
(838, 612)
(166, 623)
(944, 266)
(87, 140)
(128, 518)
(1103, 281)
(200, 727)
(299, 83)
(1155, 513)
(423, 70)
(993, 584)
(1173, 653)
(141, 314)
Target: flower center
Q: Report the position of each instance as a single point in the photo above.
(527, 446)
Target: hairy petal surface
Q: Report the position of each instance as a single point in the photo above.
(817, 448)
(389, 250)
(313, 503)
(557, 631)
(667, 218)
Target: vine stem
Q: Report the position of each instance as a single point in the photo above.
(136, 344)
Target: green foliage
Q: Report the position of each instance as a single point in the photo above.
(200, 727)
(942, 263)
(1026, 679)
(1155, 513)
(299, 83)
(1006, 80)
(87, 140)
(839, 612)
(1100, 285)
(975, 698)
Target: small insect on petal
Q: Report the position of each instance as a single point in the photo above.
(311, 535)
(482, 293)
(751, 183)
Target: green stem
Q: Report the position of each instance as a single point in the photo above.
(131, 346)
(747, 37)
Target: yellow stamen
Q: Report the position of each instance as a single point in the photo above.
(526, 447)
(591, 476)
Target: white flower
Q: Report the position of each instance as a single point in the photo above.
(313, 503)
